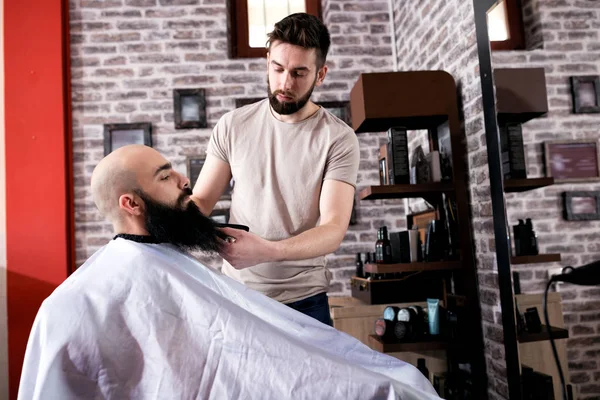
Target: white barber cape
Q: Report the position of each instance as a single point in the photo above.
(146, 321)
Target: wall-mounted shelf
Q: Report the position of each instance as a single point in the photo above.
(405, 191)
(523, 185)
(412, 267)
(521, 94)
(557, 333)
(539, 259)
(397, 347)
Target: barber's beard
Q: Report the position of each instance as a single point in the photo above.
(287, 108)
(183, 226)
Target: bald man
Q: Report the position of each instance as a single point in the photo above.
(141, 319)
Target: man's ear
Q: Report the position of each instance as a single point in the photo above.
(131, 204)
(321, 75)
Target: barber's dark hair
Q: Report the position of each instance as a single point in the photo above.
(303, 30)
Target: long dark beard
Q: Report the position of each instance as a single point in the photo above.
(285, 108)
(185, 227)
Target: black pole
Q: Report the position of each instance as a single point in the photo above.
(503, 252)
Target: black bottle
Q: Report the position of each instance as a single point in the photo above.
(359, 266)
(533, 245)
(383, 247)
(379, 247)
(520, 238)
(422, 367)
(368, 260)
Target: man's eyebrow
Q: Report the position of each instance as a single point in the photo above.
(162, 168)
(303, 68)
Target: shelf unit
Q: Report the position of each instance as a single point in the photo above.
(376, 107)
(522, 185)
(557, 333)
(404, 191)
(412, 267)
(398, 347)
(539, 259)
(521, 96)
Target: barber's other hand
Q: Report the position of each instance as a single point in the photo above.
(246, 249)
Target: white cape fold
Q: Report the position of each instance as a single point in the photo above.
(147, 321)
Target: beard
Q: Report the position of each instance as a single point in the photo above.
(183, 226)
(287, 108)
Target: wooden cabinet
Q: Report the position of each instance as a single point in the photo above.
(426, 100)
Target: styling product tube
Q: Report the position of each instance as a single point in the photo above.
(433, 308)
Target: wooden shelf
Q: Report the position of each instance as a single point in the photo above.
(557, 333)
(405, 191)
(523, 185)
(397, 347)
(539, 259)
(412, 267)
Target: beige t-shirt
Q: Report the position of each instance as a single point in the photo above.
(278, 169)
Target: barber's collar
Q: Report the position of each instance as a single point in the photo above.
(137, 238)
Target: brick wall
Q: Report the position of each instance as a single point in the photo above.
(128, 55)
(564, 36)
(441, 35)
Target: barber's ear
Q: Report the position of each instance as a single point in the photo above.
(131, 204)
(321, 75)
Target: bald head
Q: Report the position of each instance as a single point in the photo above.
(117, 174)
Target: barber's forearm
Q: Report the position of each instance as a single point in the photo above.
(321, 240)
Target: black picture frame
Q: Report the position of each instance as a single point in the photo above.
(189, 107)
(571, 160)
(585, 92)
(570, 211)
(340, 109)
(244, 102)
(220, 215)
(194, 165)
(122, 134)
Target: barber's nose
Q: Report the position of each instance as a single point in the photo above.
(286, 81)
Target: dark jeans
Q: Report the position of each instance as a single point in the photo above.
(316, 306)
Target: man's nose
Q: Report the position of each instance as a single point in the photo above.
(184, 181)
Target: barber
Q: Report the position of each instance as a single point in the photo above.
(294, 165)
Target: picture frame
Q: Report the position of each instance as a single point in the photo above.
(123, 134)
(572, 160)
(585, 92)
(189, 107)
(340, 109)
(582, 205)
(221, 215)
(244, 102)
(194, 165)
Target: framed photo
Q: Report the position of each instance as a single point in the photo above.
(340, 109)
(582, 206)
(585, 91)
(194, 166)
(221, 216)
(572, 160)
(119, 135)
(244, 102)
(189, 108)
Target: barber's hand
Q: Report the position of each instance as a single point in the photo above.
(245, 249)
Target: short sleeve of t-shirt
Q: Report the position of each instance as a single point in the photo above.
(343, 159)
(218, 144)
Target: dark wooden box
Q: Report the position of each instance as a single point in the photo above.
(388, 291)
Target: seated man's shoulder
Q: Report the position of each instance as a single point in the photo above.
(107, 276)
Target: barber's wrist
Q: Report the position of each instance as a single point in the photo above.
(278, 251)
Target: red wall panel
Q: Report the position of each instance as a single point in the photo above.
(38, 168)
